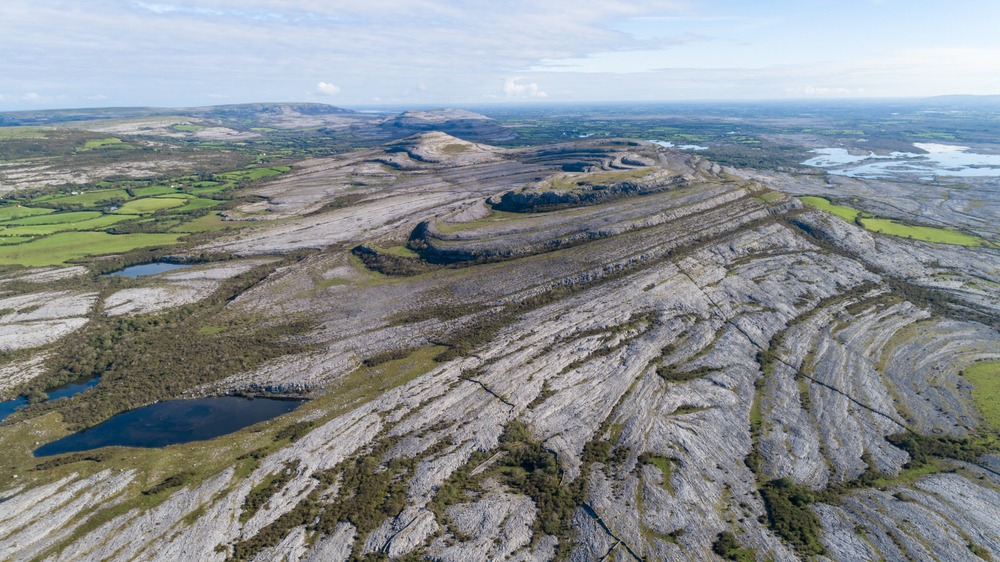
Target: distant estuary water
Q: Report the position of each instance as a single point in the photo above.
(172, 422)
(942, 160)
(668, 144)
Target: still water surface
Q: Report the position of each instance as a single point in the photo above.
(141, 270)
(8, 407)
(942, 160)
(171, 422)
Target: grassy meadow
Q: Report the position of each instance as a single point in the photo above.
(892, 227)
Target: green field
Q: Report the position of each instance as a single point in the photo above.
(23, 133)
(96, 223)
(846, 213)
(925, 233)
(150, 205)
(207, 223)
(254, 173)
(210, 190)
(7, 240)
(55, 218)
(37, 236)
(16, 212)
(60, 248)
(889, 226)
(198, 203)
(87, 198)
(153, 190)
(107, 142)
(985, 378)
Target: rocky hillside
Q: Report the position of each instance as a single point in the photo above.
(602, 350)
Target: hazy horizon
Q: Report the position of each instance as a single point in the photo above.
(183, 53)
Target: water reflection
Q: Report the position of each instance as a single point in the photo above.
(171, 422)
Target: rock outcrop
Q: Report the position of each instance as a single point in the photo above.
(677, 369)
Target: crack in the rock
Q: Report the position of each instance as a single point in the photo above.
(830, 387)
(494, 394)
(388, 541)
(593, 515)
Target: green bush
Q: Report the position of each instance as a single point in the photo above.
(728, 547)
(790, 516)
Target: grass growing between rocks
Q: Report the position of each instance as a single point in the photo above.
(985, 378)
(665, 465)
(494, 216)
(526, 468)
(380, 491)
(571, 181)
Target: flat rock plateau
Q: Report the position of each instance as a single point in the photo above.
(597, 350)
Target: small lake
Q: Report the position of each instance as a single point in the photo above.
(172, 422)
(8, 407)
(943, 160)
(72, 389)
(141, 270)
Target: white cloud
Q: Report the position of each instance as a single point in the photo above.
(327, 89)
(513, 88)
(250, 50)
(31, 96)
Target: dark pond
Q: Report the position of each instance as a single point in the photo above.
(141, 270)
(171, 422)
(72, 389)
(10, 406)
(7, 407)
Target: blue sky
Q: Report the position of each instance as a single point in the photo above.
(91, 53)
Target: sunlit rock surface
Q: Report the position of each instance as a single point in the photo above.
(684, 328)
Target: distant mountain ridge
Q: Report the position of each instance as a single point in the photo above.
(229, 111)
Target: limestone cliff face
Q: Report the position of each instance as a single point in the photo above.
(653, 376)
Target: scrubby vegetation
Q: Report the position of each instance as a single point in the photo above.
(261, 494)
(727, 546)
(371, 491)
(527, 468)
(154, 357)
